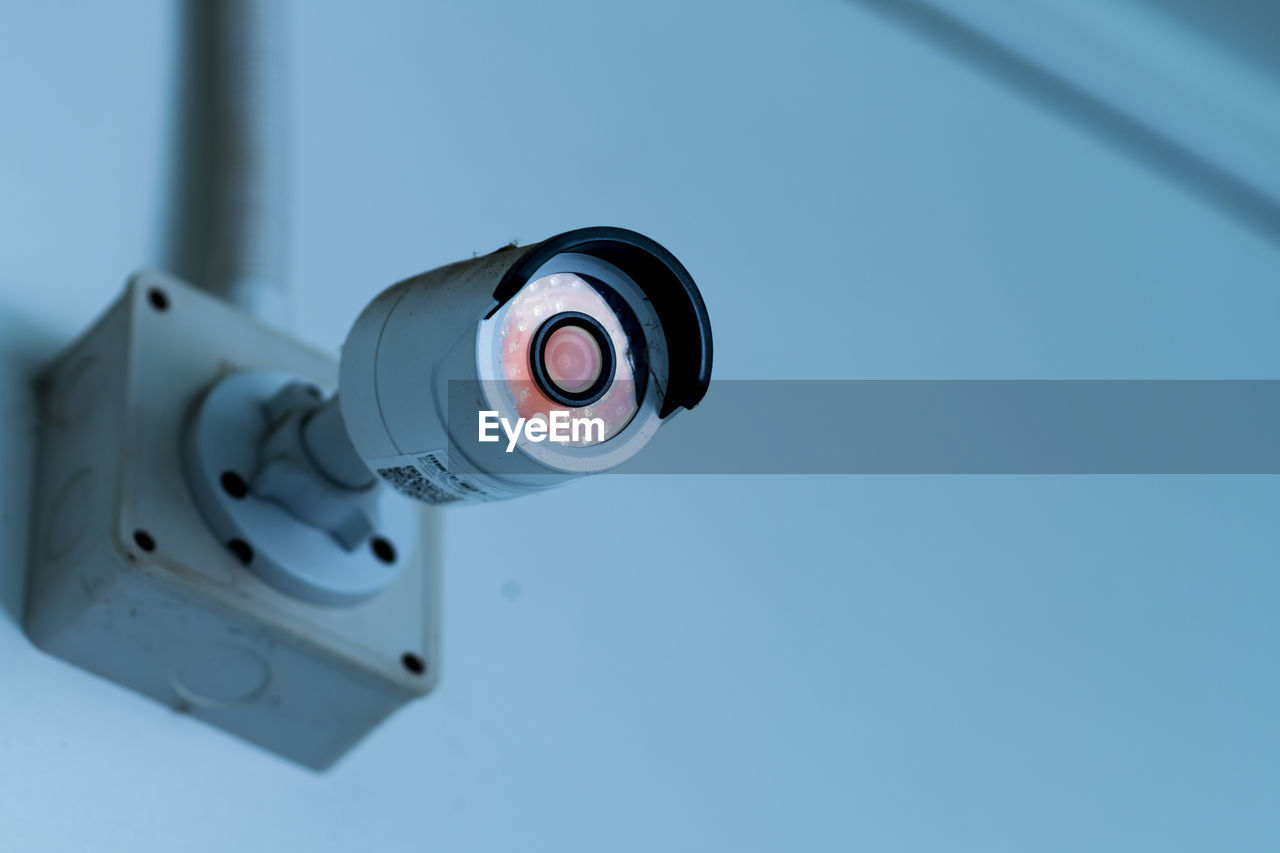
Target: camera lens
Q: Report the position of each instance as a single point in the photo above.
(572, 359)
(568, 341)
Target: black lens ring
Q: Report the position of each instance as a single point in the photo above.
(537, 359)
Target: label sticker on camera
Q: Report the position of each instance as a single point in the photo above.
(429, 480)
(409, 482)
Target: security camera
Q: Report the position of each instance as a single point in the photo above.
(487, 379)
(516, 371)
(220, 517)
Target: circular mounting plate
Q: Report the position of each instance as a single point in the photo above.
(223, 436)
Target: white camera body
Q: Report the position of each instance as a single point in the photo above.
(424, 360)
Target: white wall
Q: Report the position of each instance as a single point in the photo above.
(905, 663)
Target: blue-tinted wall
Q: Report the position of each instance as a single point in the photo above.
(734, 663)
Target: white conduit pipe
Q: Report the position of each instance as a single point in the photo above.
(230, 228)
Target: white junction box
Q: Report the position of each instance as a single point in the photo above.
(127, 580)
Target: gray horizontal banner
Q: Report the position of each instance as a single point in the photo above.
(972, 427)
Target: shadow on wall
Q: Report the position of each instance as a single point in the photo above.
(24, 349)
(1021, 74)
